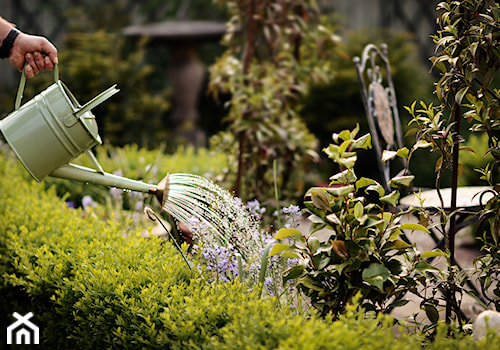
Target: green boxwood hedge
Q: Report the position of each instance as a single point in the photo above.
(89, 287)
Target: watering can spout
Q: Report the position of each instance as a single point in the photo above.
(88, 175)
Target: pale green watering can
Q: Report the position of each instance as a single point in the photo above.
(52, 129)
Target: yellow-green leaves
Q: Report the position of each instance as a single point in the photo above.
(391, 199)
(388, 155)
(344, 154)
(413, 227)
(278, 248)
(287, 232)
(339, 191)
(358, 210)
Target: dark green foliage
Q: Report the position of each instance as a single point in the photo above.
(90, 62)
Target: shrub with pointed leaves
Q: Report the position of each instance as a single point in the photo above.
(354, 243)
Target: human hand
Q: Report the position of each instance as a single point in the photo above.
(30, 49)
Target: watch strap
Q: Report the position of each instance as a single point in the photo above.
(8, 42)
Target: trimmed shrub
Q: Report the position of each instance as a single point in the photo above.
(90, 287)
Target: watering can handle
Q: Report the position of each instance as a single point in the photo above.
(22, 84)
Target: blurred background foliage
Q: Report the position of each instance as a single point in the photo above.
(94, 55)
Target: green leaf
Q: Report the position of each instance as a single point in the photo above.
(287, 232)
(396, 244)
(376, 274)
(460, 95)
(352, 248)
(434, 253)
(346, 176)
(413, 227)
(399, 181)
(332, 151)
(388, 155)
(424, 266)
(398, 303)
(294, 272)
(348, 162)
(333, 218)
(340, 190)
(345, 135)
(403, 152)
(391, 199)
(431, 312)
(309, 283)
(320, 199)
(343, 146)
(315, 219)
(364, 182)
(313, 244)
(278, 248)
(324, 260)
(377, 188)
(396, 233)
(287, 254)
(364, 142)
(358, 210)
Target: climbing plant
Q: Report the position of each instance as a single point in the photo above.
(468, 58)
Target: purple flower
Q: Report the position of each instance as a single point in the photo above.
(254, 207)
(198, 227)
(220, 262)
(291, 210)
(268, 283)
(88, 202)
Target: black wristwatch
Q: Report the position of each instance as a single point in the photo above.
(8, 42)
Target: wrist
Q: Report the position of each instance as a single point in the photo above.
(8, 42)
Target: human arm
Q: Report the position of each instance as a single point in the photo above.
(28, 49)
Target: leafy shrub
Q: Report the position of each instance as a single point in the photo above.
(274, 55)
(89, 287)
(354, 242)
(467, 58)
